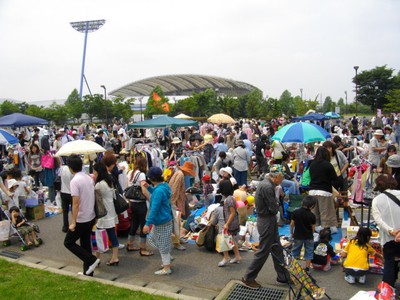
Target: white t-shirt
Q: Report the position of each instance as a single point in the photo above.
(83, 187)
(66, 177)
(141, 177)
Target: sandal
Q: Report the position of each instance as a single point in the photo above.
(145, 252)
(29, 244)
(37, 244)
(130, 248)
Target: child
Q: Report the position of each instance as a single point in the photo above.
(208, 190)
(24, 229)
(227, 219)
(323, 251)
(356, 252)
(302, 228)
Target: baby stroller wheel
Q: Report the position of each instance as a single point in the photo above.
(23, 247)
(6, 243)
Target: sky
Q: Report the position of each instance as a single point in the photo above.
(278, 45)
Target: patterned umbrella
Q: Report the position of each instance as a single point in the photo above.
(221, 119)
(301, 132)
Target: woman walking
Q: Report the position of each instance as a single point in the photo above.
(104, 189)
(160, 218)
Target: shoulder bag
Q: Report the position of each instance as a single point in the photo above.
(48, 161)
(120, 203)
(134, 192)
(393, 197)
(99, 208)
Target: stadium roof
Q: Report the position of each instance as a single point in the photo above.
(184, 85)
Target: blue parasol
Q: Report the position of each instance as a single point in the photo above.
(332, 115)
(7, 138)
(301, 132)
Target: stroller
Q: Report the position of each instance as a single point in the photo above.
(9, 230)
(304, 285)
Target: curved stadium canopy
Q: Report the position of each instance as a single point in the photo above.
(184, 85)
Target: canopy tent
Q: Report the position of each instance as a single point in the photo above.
(163, 121)
(183, 116)
(311, 117)
(18, 120)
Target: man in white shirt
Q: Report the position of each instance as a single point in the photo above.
(83, 216)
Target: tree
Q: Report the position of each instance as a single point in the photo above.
(286, 103)
(342, 106)
(9, 107)
(74, 105)
(393, 101)
(254, 103)
(205, 102)
(300, 106)
(157, 103)
(94, 106)
(34, 110)
(328, 105)
(374, 85)
(56, 113)
(121, 108)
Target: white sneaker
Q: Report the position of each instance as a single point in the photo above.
(92, 267)
(121, 246)
(361, 279)
(350, 279)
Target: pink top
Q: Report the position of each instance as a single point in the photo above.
(83, 187)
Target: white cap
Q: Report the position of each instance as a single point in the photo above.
(11, 183)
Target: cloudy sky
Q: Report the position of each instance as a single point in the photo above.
(274, 45)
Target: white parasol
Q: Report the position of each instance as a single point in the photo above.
(80, 147)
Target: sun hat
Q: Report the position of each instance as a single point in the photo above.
(188, 167)
(11, 183)
(393, 161)
(154, 173)
(227, 170)
(121, 131)
(378, 132)
(176, 140)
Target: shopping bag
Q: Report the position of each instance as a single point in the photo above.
(202, 235)
(385, 292)
(4, 230)
(100, 240)
(48, 161)
(224, 242)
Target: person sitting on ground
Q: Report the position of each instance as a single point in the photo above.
(224, 160)
(302, 228)
(324, 255)
(24, 229)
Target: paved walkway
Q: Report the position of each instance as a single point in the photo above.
(195, 271)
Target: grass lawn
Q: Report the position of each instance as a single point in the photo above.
(21, 282)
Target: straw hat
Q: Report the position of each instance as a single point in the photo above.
(378, 132)
(176, 140)
(188, 167)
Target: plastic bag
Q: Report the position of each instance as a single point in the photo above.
(100, 240)
(224, 242)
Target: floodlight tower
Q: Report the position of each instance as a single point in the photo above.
(86, 27)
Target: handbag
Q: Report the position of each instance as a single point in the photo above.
(134, 192)
(99, 207)
(224, 242)
(48, 161)
(202, 236)
(120, 203)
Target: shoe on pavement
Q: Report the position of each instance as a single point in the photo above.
(163, 272)
(179, 247)
(361, 279)
(92, 267)
(64, 229)
(350, 279)
(234, 261)
(251, 284)
(223, 263)
(283, 282)
(121, 246)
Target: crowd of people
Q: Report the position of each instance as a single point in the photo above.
(223, 155)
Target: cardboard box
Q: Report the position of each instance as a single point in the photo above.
(35, 213)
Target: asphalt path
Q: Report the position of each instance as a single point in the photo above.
(195, 270)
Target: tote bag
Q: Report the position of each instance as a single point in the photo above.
(120, 203)
(224, 242)
(48, 161)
